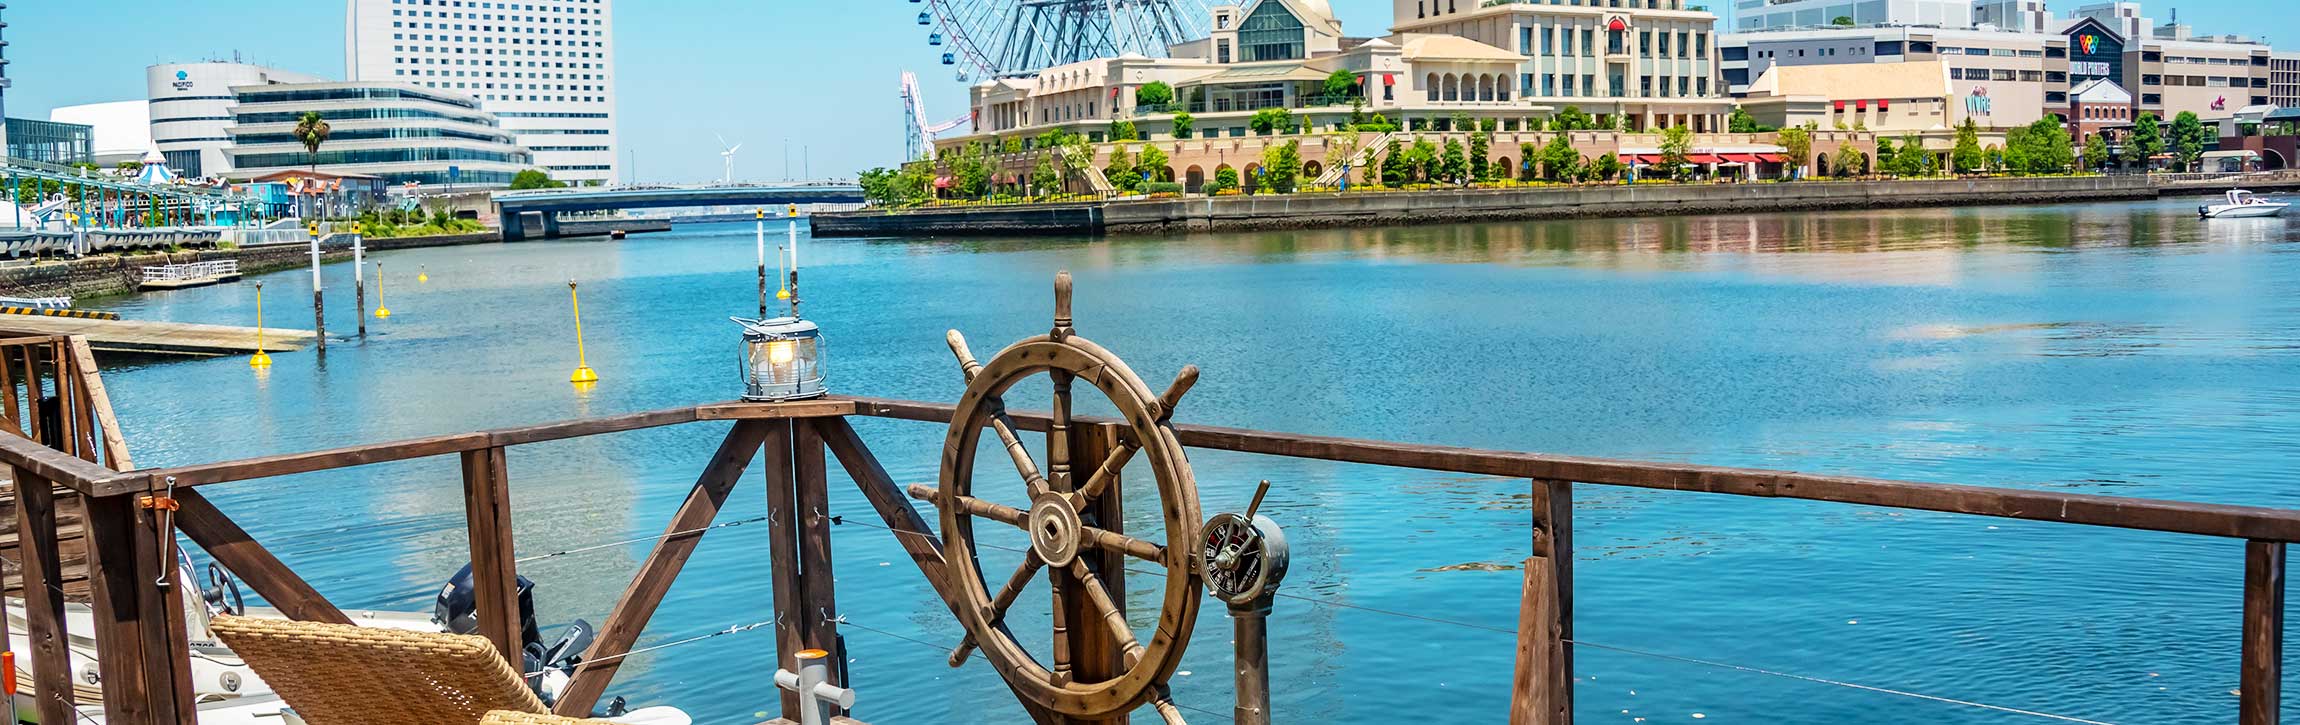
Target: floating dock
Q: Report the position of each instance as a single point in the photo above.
(194, 274)
(170, 338)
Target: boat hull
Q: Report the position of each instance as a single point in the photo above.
(2226, 211)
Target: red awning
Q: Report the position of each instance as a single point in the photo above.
(1861, 104)
(1741, 158)
(1644, 159)
(1840, 105)
(1703, 159)
(1773, 158)
(1389, 79)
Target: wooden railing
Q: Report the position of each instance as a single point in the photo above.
(133, 615)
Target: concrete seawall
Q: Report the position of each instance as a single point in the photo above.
(1299, 211)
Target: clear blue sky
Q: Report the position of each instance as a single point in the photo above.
(822, 74)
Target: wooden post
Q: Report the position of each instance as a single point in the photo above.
(1252, 624)
(1095, 654)
(43, 594)
(647, 587)
(812, 507)
(2261, 695)
(1542, 689)
(494, 572)
(118, 615)
(783, 555)
(231, 546)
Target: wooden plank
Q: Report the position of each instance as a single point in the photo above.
(662, 565)
(494, 571)
(43, 597)
(372, 453)
(817, 588)
(819, 408)
(1095, 653)
(1552, 505)
(54, 465)
(2260, 692)
(119, 616)
(2242, 522)
(160, 337)
(231, 546)
(781, 477)
(1532, 690)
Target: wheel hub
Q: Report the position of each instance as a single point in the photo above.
(1055, 530)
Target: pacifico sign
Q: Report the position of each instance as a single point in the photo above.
(183, 81)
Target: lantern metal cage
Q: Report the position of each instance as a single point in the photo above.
(782, 359)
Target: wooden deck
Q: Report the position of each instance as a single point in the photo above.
(173, 338)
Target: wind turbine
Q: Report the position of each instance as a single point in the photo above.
(729, 157)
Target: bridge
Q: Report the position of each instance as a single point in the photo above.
(513, 207)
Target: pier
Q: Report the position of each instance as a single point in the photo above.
(167, 338)
(1101, 668)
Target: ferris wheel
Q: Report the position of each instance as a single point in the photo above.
(1000, 38)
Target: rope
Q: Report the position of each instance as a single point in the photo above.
(1581, 643)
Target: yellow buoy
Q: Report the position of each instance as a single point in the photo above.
(583, 373)
(261, 360)
(381, 312)
(422, 273)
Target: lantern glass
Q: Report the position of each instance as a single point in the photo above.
(782, 360)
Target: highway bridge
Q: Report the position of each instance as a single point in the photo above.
(515, 207)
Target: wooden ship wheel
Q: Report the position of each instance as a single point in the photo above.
(1064, 538)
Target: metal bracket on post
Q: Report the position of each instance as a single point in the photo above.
(818, 698)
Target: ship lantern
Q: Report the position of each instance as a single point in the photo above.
(782, 359)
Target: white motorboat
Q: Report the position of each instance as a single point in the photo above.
(2241, 203)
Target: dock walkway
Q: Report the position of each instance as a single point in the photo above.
(177, 338)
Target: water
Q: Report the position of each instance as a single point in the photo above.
(2123, 349)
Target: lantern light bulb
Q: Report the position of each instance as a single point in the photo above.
(779, 352)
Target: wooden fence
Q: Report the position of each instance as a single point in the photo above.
(142, 637)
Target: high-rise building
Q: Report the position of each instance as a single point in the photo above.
(1648, 64)
(545, 68)
(2284, 79)
(2020, 16)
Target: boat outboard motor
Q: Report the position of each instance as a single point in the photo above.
(457, 610)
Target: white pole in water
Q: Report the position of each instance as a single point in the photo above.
(761, 215)
(318, 299)
(794, 261)
(359, 279)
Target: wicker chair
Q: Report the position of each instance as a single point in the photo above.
(335, 674)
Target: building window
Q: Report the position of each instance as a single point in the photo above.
(1271, 33)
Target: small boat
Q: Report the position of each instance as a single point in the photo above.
(2241, 203)
(615, 234)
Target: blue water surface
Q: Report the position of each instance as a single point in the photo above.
(2122, 349)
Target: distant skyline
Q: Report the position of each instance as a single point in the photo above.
(821, 75)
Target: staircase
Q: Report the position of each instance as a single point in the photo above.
(1360, 159)
(1095, 181)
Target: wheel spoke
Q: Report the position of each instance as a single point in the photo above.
(1112, 618)
(1004, 601)
(1011, 516)
(1102, 478)
(1023, 465)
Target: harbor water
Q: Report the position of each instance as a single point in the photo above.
(2120, 349)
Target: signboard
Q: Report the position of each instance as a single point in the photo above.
(2088, 68)
(454, 174)
(183, 81)
(1978, 103)
(2094, 52)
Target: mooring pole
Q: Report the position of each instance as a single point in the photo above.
(762, 235)
(359, 280)
(318, 298)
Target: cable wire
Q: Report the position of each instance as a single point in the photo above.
(627, 542)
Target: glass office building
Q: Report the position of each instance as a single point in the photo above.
(397, 131)
(51, 142)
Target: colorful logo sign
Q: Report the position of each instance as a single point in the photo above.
(183, 81)
(2220, 104)
(1978, 103)
(180, 75)
(2088, 43)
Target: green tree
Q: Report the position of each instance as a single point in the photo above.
(1281, 167)
(1184, 124)
(1571, 118)
(1154, 94)
(1967, 156)
(2147, 137)
(1153, 162)
(1910, 158)
(1851, 162)
(2017, 149)
(1528, 161)
(1559, 160)
(1607, 167)
(1397, 170)
(2095, 152)
(1480, 156)
(1422, 158)
(1270, 120)
(1885, 154)
(534, 179)
(2047, 148)
(1842, 21)
(971, 171)
(1453, 166)
(1377, 123)
(1120, 170)
(1676, 142)
(2188, 139)
(1742, 122)
(1046, 176)
(1533, 124)
(1797, 143)
(1124, 130)
(1341, 83)
(1225, 179)
(311, 130)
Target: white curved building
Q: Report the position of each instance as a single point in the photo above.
(397, 131)
(191, 105)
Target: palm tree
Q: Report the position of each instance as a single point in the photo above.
(312, 131)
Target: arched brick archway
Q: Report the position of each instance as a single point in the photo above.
(1194, 179)
(1452, 88)
(1431, 87)
(1311, 170)
(1247, 180)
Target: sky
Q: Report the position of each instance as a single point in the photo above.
(822, 76)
